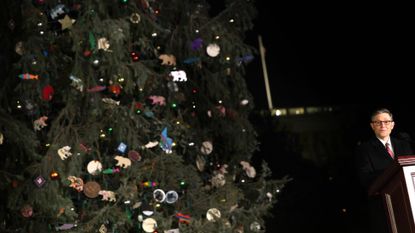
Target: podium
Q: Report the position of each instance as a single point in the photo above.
(397, 188)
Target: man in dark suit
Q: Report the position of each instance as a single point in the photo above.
(374, 156)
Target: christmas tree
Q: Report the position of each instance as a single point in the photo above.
(132, 116)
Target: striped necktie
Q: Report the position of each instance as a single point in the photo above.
(389, 150)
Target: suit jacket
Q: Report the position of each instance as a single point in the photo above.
(372, 158)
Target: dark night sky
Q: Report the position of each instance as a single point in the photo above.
(330, 53)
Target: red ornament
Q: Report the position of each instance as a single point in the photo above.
(87, 53)
(47, 93)
(115, 89)
(135, 56)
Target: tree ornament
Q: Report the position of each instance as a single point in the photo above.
(47, 93)
(122, 161)
(135, 56)
(159, 195)
(54, 175)
(213, 50)
(104, 44)
(135, 18)
(40, 181)
(206, 147)
(166, 142)
(178, 76)
(66, 22)
(76, 183)
(183, 218)
(64, 152)
(255, 227)
(65, 226)
(122, 147)
(197, 44)
(1, 138)
(19, 49)
(58, 10)
(40, 123)
(149, 225)
(171, 197)
(26, 211)
(107, 195)
(115, 89)
(91, 189)
(168, 59)
(103, 229)
(213, 214)
(28, 76)
(134, 155)
(249, 170)
(94, 167)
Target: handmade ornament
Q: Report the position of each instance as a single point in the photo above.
(77, 83)
(172, 231)
(19, 49)
(213, 214)
(76, 183)
(183, 218)
(213, 50)
(159, 195)
(134, 155)
(122, 161)
(157, 100)
(149, 225)
(104, 44)
(94, 167)
(197, 44)
(171, 196)
(58, 10)
(249, 170)
(111, 170)
(96, 89)
(103, 229)
(166, 142)
(1, 138)
(40, 123)
(64, 152)
(65, 226)
(26, 211)
(47, 93)
(200, 163)
(168, 59)
(39, 181)
(206, 147)
(110, 101)
(151, 144)
(135, 18)
(122, 147)
(66, 22)
(255, 227)
(179, 76)
(218, 180)
(27, 76)
(91, 189)
(107, 195)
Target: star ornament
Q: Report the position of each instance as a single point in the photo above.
(66, 22)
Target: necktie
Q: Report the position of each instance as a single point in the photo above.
(389, 150)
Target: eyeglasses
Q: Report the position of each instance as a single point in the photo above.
(379, 123)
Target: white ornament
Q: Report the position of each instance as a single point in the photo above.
(179, 76)
(122, 161)
(64, 152)
(206, 147)
(94, 167)
(244, 102)
(107, 195)
(213, 214)
(149, 225)
(151, 144)
(213, 50)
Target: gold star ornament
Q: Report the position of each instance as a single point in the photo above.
(66, 22)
